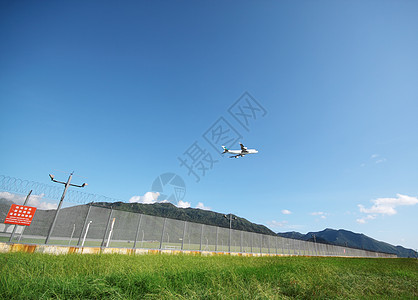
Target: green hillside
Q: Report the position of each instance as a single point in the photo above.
(196, 215)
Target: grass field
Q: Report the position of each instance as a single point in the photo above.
(41, 276)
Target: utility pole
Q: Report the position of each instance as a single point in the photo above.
(67, 184)
(230, 229)
(316, 250)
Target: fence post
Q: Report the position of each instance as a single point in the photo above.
(229, 242)
(216, 245)
(241, 241)
(107, 227)
(294, 247)
(283, 252)
(268, 243)
(110, 233)
(261, 243)
(137, 230)
(252, 238)
(84, 225)
(201, 238)
(72, 233)
(162, 234)
(14, 228)
(275, 239)
(302, 247)
(184, 235)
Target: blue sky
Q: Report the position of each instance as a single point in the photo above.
(118, 92)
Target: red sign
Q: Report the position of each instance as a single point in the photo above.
(20, 215)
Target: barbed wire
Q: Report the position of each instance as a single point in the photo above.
(21, 186)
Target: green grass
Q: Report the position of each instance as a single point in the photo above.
(41, 276)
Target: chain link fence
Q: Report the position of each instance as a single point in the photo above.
(91, 225)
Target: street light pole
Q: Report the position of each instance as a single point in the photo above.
(316, 250)
(230, 229)
(67, 184)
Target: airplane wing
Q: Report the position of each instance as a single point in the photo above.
(238, 155)
(242, 147)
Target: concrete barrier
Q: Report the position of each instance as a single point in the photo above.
(59, 250)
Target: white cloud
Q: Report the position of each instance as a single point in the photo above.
(318, 213)
(152, 197)
(377, 158)
(18, 199)
(183, 204)
(34, 200)
(378, 209)
(368, 217)
(321, 214)
(200, 205)
(386, 206)
(286, 212)
(42, 204)
(148, 198)
(277, 224)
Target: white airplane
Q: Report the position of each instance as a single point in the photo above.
(239, 153)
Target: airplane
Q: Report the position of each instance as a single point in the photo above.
(239, 153)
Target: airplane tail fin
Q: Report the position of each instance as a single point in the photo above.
(225, 149)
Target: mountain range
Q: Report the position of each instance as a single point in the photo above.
(195, 215)
(349, 239)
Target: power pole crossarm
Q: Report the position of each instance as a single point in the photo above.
(52, 178)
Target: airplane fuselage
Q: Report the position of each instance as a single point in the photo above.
(239, 153)
(248, 151)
